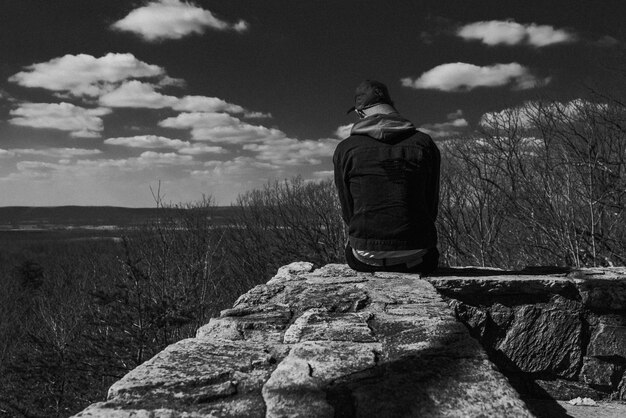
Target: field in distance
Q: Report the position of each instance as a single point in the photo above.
(30, 218)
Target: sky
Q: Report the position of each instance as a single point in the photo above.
(102, 102)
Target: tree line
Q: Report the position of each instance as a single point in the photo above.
(543, 184)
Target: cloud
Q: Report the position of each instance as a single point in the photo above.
(269, 144)
(79, 121)
(606, 42)
(147, 141)
(64, 153)
(532, 113)
(5, 153)
(159, 158)
(85, 75)
(497, 32)
(198, 149)
(206, 104)
(517, 116)
(173, 19)
(99, 168)
(455, 124)
(324, 174)
(153, 141)
(221, 127)
(461, 76)
(38, 169)
(136, 94)
(257, 115)
(5, 96)
(343, 131)
(238, 168)
(288, 151)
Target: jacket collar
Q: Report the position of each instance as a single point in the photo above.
(384, 124)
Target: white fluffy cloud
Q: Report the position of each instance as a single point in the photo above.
(343, 131)
(122, 81)
(147, 141)
(454, 125)
(199, 149)
(79, 121)
(497, 32)
(221, 127)
(155, 142)
(64, 153)
(460, 76)
(148, 160)
(173, 19)
(5, 153)
(532, 112)
(288, 151)
(269, 144)
(257, 115)
(518, 116)
(85, 75)
(237, 168)
(160, 158)
(137, 94)
(206, 104)
(324, 174)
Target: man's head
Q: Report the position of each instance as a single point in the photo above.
(369, 93)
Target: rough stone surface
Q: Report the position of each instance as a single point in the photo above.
(621, 389)
(597, 372)
(551, 409)
(562, 389)
(249, 322)
(194, 377)
(560, 333)
(322, 343)
(333, 342)
(317, 324)
(543, 340)
(603, 289)
(607, 341)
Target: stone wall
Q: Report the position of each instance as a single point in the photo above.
(561, 335)
(333, 342)
(322, 343)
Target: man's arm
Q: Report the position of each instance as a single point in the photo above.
(434, 188)
(343, 186)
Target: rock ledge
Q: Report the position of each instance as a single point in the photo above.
(322, 343)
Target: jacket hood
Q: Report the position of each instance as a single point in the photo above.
(383, 127)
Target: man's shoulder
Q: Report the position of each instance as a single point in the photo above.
(351, 142)
(423, 136)
(356, 141)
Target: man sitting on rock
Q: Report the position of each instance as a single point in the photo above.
(387, 177)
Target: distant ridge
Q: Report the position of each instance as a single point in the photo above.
(50, 217)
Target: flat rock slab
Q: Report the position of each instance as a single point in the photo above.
(195, 378)
(322, 343)
(563, 409)
(598, 289)
(603, 410)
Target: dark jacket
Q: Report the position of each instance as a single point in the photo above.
(387, 177)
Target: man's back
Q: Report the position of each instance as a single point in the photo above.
(387, 178)
(391, 190)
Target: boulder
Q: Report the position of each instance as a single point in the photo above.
(543, 339)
